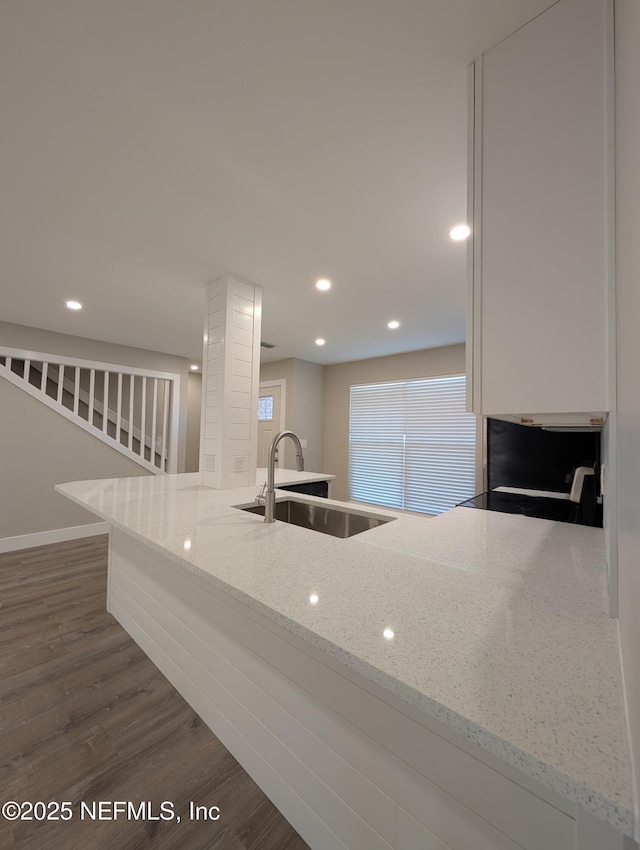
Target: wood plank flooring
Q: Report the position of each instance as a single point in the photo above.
(85, 716)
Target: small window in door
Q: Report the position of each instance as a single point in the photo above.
(265, 408)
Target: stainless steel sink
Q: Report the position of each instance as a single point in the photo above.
(338, 523)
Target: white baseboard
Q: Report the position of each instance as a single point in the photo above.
(55, 535)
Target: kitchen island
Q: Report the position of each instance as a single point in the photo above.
(448, 682)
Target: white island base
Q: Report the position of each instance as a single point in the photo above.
(349, 764)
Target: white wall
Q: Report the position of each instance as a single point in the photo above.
(308, 407)
(431, 362)
(628, 352)
(303, 407)
(40, 448)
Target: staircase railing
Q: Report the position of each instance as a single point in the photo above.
(135, 411)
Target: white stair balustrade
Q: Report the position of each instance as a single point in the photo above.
(116, 404)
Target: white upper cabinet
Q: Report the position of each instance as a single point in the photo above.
(541, 183)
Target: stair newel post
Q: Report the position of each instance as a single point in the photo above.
(105, 403)
(166, 388)
(143, 416)
(76, 391)
(174, 425)
(154, 422)
(92, 395)
(132, 383)
(60, 382)
(119, 408)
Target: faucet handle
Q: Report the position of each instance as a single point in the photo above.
(261, 498)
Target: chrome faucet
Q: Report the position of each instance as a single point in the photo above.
(269, 495)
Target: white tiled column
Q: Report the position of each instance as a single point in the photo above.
(230, 378)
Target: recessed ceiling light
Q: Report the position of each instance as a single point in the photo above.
(314, 599)
(194, 367)
(393, 325)
(320, 341)
(459, 232)
(73, 305)
(323, 284)
(388, 633)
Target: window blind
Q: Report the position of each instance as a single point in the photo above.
(412, 444)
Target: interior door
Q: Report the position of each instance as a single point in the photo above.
(269, 422)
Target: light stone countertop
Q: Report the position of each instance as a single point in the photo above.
(500, 622)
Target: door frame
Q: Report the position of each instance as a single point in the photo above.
(282, 383)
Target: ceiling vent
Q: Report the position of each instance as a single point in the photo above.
(267, 345)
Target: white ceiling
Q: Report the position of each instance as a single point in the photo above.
(149, 145)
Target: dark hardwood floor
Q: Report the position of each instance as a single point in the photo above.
(86, 717)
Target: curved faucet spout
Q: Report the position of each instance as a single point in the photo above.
(270, 493)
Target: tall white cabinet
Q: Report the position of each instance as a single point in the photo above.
(541, 201)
